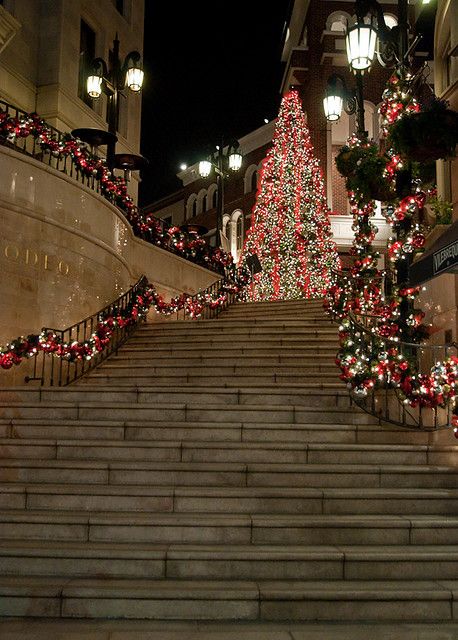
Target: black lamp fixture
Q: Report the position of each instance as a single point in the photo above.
(112, 81)
(221, 161)
(393, 42)
(339, 97)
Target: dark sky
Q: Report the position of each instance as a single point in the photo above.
(211, 69)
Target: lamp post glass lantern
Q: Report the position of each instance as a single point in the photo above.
(360, 41)
(220, 161)
(112, 81)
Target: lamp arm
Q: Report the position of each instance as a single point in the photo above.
(98, 63)
(133, 56)
(363, 7)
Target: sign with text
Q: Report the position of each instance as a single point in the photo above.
(445, 258)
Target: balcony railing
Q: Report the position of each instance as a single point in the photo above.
(29, 135)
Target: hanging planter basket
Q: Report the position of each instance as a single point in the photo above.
(428, 135)
(364, 170)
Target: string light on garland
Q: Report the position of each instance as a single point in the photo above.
(188, 245)
(146, 297)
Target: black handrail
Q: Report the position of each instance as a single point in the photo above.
(51, 371)
(31, 145)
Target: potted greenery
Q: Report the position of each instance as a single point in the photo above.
(426, 135)
(363, 167)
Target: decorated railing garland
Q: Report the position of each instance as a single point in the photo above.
(188, 245)
(146, 297)
(376, 356)
(370, 360)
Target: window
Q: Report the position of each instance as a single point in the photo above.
(87, 55)
(254, 181)
(119, 4)
(215, 199)
(122, 103)
(194, 208)
(337, 22)
(239, 234)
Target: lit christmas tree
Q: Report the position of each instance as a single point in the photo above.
(291, 232)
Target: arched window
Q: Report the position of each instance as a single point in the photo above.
(191, 206)
(254, 181)
(236, 239)
(248, 183)
(390, 20)
(201, 201)
(212, 196)
(337, 21)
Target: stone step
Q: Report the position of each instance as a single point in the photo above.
(233, 370)
(180, 412)
(304, 353)
(228, 451)
(185, 379)
(307, 319)
(318, 363)
(45, 596)
(189, 473)
(312, 340)
(203, 528)
(229, 562)
(213, 432)
(229, 500)
(113, 398)
(239, 333)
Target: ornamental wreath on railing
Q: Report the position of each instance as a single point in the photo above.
(377, 358)
(187, 245)
(146, 297)
(368, 361)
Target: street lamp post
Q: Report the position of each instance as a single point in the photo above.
(112, 81)
(394, 51)
(220, 162)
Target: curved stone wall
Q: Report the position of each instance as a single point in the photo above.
(65, 251)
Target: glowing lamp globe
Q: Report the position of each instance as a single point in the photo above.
(205, 168)
(94, 86)
(235, 160)
(332, 107)
(134, 78)
(360, 40)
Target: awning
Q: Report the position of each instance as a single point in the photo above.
(440, 257)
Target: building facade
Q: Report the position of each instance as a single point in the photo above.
(46, 47)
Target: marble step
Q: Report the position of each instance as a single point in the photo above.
(314, 340)
(185, 379)
(229, 562)
(36, 428)
(229, 500)
(239, 333)
(269, 394)
(234, 474)
(203, 528)
(45, 596)
(316, 363)
(262, 324)
(228, 451)
(304, 353)
(182, 412)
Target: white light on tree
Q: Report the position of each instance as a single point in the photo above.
(360, 40)
(134, 78)
(94, 86)
(235, 161)
(332, 107)
(205, 168)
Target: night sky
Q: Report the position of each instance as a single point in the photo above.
(211, 69)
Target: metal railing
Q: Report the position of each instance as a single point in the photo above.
(385, 401)
(52, 371)
(220, 287)
(30, 145)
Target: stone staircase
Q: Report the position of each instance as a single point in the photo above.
(216, 470)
